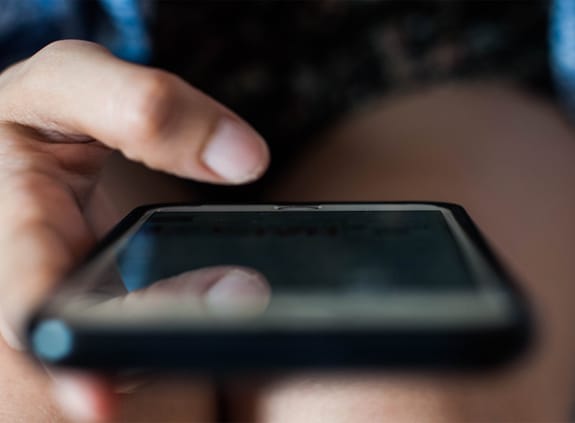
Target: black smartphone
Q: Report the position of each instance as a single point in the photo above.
(387, 285)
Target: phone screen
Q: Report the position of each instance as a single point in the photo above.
(344, 266)
(335, 253)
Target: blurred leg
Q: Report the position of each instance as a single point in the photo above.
(510, 160)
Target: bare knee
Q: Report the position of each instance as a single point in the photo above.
(510, 160)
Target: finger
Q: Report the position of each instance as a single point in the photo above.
(91, 398)
(44, 231)
(79, 88)
(84, 397)
(220, 290)
(24, 390)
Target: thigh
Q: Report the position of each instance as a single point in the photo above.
(510, 160)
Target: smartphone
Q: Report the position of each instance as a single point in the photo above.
(385, 285)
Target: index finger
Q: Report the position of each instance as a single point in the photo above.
(152, 116)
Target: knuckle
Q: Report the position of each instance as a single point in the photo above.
(15, 158)
(35, 198)
(50, 60)
(151, 102)
(25, 191)
(58, 49)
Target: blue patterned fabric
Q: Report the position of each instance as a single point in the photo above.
(562, 42)
(28, 25)
(129, 38)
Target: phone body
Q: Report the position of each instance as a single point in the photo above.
(353, 285)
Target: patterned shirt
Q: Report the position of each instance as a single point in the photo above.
(291, 68)
(28, 25)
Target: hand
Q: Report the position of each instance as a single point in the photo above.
(62, 112)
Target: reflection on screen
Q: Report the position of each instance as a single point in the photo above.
(303, 253)
(327, 268)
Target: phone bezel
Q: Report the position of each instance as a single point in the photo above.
(511, 330)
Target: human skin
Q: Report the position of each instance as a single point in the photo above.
(507, 157)
(62, 112)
